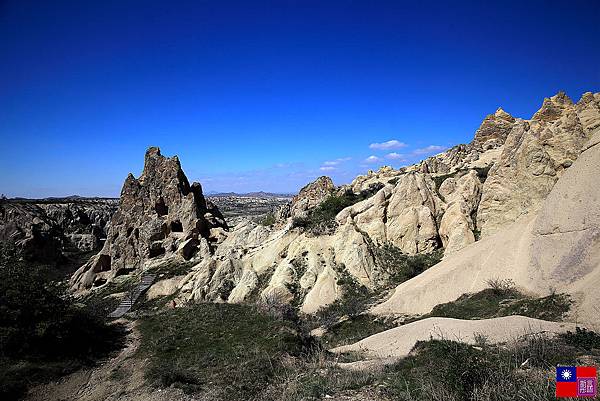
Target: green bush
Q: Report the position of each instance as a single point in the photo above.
(449, 370)
(268, 220)
(400, 266)
(582, 338)
(493, 302)
(321, 219)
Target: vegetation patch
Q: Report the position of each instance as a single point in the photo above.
(448, 370)
(172, 269)
(321, 219)
(493, 302)
(345, 320)
(354, 329)
(43, 333)
(400, 267)
(268, 220)
(354, 300)
(233, 349)
(582, 339)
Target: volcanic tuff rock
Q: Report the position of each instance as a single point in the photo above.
(507, 171)
(493, 130)
(44, 229)
(556, 249)
(311, 195)
(405, 214)
(385, 175)
(159, 214)
(534, 156)
(418, 209)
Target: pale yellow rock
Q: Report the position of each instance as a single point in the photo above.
(164, 287)
(535, 154)
(556, 250)
(462, 196)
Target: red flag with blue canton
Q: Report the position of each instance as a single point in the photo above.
(576, 381)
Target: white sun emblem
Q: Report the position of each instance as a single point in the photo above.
(566, 374)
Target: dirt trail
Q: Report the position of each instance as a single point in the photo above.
(119, 378)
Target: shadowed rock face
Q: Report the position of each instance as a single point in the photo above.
(43, 230)
(160, 213)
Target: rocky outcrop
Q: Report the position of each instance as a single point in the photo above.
(502, 176)
(457, 227)
(385, 175)
(494, 130)
(405, 214)
(555, 249)
(159, 214)
(46, 229)
(534, 156)
(309, 197)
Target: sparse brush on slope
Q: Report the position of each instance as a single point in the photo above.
(321, 219)
(495, 302)
(234, 350)
(43, 333)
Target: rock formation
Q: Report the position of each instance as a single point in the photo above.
(311, 196)
(159, 213)
(555, 249)
(46, 229)
(447, 201)
(534, 156)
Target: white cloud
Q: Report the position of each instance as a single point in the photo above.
(327, 168)
(393, 144)
(395, 156)
(428, 150)
(336, 161)
(372, 159)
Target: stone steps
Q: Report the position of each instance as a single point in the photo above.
(130, 299)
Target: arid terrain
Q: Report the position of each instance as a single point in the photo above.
(467, 276)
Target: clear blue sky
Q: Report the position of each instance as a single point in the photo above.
(256, 95)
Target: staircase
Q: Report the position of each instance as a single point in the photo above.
(130, 298)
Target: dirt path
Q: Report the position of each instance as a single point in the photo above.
(118, 378)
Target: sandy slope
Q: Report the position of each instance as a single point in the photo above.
(559, 248)
(399, 341)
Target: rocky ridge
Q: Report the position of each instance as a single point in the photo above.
(446, 201)
(45, 230)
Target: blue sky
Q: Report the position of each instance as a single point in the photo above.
(268, 95)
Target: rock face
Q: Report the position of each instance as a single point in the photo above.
(445, 201)
(448, 200)
(385, 175)
(44, 230)
(535, 154)
(405, 214)
(462, 195)
(493, 130)
(557, 248)
(159, 214)
(311, 196)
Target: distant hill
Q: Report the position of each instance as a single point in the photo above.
(259, 194)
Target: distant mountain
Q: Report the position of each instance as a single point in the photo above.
(259, 194)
